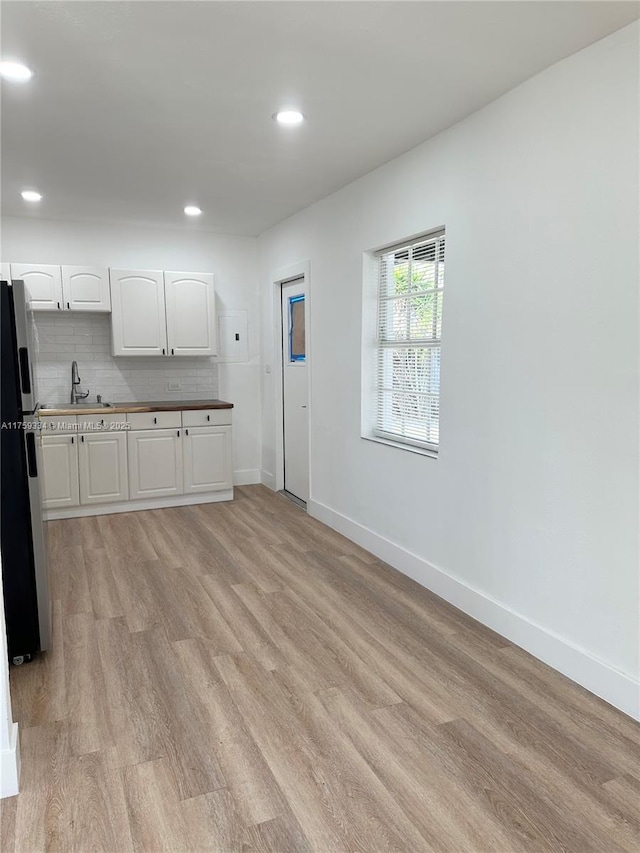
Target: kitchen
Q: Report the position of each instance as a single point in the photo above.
(93, 456)
(294, 558)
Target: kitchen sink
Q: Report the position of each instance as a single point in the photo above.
(77, 406)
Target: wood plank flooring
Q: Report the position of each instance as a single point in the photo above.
(239, 677)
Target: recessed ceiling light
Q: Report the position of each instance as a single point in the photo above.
(192, 210)
(289, 117)
(15, 71)
(31, 195)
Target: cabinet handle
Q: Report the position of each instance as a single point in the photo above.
(68, 306)
(58, 306)
(178, 433)
(155, 420)
(163, 352)
(187, 431)
(81, 438)
(208, 417)
(172, 353)
(72, 439)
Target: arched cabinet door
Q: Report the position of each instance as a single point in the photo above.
(191, 313)
(43, 283)
(86, 289)
(138, 325)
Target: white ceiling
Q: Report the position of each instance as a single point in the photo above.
(139, 108)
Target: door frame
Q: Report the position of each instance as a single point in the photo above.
(285, 275)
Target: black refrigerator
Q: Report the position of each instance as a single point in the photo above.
(22, 531)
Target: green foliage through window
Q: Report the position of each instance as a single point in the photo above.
(411, 284)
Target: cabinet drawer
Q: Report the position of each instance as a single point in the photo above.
(93, 423)
(206, 417)
(154, 420)
(59, 424)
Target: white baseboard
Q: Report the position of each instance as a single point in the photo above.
(247, 477)
(137, 505)
(10, 766)
(268, 480)
(614, 686)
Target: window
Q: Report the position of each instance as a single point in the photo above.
(410, 289)
(296, 329)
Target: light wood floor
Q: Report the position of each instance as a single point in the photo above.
(238, 677)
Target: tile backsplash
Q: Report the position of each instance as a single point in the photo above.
(63, 337)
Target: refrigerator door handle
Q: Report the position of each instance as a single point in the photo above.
(25, 372)
(32, 465)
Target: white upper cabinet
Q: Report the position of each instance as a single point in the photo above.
(138, 325)
(86, 289)
(43, 283)
(155, 313)
(191, 313)
(53, 288)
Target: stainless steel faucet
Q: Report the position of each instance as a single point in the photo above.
(75, 382)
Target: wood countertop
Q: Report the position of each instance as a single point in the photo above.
(147, 406)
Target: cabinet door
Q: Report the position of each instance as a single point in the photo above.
(86, 289)
(155, 463)
(102, 458)
(191, 313)
(207, 459)
(43, 283)
(60, 463)
(138, 325)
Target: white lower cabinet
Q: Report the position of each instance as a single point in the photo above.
(155, 463)
(165, 458)
(206, 453)
(60, 480)
(103, 467)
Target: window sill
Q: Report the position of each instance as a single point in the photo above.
(412, 448)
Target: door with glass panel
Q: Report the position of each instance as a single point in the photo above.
(295, 389)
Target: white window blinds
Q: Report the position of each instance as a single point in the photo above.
(410, 288)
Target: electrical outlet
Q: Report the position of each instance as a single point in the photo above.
(174, 386)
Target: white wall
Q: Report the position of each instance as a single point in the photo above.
(232, 260)
(529, 518)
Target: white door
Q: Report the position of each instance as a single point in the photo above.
(43, 283)
(155, 463)
(138, 325)
(208, 465)
(60, 463)
(103, 467)
(191, 313)
(86, 289)
(295, 389)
